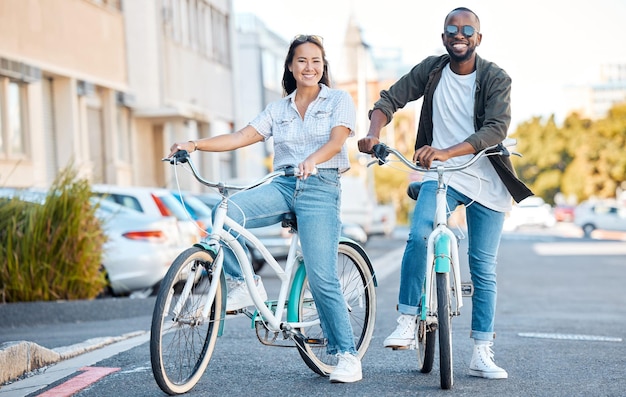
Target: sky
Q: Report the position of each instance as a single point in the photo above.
(544, 45)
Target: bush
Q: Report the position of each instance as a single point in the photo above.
(52, 250)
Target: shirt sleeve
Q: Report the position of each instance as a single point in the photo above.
(345, 112)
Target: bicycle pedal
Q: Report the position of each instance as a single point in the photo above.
(467, 289)
(315, 341)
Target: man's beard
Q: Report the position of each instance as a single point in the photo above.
(461, 58)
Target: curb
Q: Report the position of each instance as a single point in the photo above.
(21, 357)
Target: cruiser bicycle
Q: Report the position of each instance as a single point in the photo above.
(190, 308)
(443, 291)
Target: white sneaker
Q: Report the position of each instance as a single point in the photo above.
(404, 335)
(239, 296)
(348, 369)
(482, 364)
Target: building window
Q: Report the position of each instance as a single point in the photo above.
(12, 118)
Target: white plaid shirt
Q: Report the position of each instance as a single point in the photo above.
(295, 139)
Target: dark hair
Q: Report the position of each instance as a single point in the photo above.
(463, 9)
(289, 82)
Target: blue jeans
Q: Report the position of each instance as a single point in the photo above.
(316, 203)
(484, 228)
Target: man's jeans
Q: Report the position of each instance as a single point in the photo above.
(316, 203)
(484, 228)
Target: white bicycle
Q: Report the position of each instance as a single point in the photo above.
(191, 304)
(443, 291)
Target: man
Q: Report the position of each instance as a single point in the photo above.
(466, 108)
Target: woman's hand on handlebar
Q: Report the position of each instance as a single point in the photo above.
(189, 146)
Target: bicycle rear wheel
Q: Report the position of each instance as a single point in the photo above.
(181, 341)
(445, 330)
(359, 291)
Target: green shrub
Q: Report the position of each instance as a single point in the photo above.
(52, 250)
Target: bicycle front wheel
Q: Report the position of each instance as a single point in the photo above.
(445, 330)
(359, 292)
(181, 340)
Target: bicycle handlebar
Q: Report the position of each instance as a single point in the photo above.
(382, 151)
(182, 156)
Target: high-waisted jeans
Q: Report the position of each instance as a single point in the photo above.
(484, 229)
(316, 203)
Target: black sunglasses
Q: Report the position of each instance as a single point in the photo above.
(467, 30)
(302, 38)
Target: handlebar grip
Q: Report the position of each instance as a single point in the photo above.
(180, 156)
(381, 152)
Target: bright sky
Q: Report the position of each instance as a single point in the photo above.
(544, 45)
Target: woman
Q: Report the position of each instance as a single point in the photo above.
(310, 126)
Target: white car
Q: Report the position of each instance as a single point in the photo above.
(139, 249)
(532, 211)
(608, 216)
(156, 202)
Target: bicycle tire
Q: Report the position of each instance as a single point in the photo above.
(445, 330)
(181, 345)
(359, 290)
(425, 338)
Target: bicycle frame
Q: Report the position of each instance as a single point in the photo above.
(442, 250)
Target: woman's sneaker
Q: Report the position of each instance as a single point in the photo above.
(239, 296)
(348, 369)
(404, 335)
(482, 364)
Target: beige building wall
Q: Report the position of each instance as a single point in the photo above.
(68, 58)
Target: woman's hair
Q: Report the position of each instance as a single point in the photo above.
(289, 82)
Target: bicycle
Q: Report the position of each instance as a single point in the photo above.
(440, 301)
(190, 308)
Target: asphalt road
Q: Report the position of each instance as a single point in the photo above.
(561, 327)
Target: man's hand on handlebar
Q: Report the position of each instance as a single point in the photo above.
(425, 156)
(366, 144)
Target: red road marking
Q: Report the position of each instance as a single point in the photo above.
(89, 376)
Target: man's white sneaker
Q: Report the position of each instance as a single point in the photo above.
(348, 369)
(239, 296)
(482, 364)
(404, 335)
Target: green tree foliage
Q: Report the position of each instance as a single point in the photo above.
(583, 158)
(51, 250)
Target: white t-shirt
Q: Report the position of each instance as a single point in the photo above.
(453, 122)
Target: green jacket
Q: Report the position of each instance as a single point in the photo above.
(492, 110)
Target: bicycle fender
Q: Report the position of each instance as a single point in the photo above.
(205, 246)
(442, 253)
(357, 246)
(294, 293)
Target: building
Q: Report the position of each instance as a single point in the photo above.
(107, 86)
(595, 100)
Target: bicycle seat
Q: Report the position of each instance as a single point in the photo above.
(289, 220)
(414, 189)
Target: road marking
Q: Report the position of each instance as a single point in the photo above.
(594, 338)
(89, 376)
(580, 248)
(49, 375)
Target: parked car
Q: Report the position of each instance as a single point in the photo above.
(383, 220)
(276, 238)
(196, 209)
(532, 211)
(357, 205)
(608, 216)
(156, 202)
(139, 249)
(354, 232)
(564, 213)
